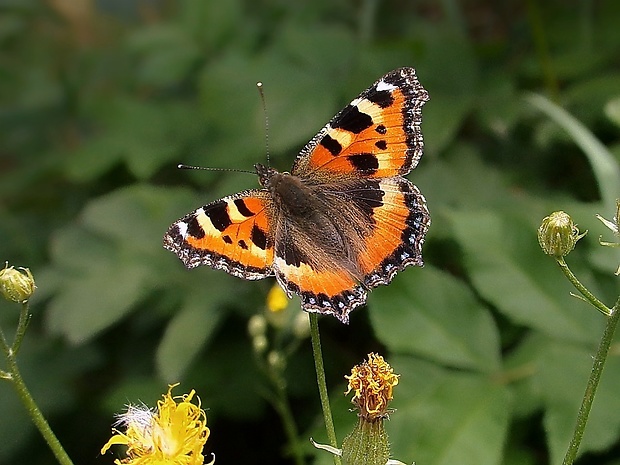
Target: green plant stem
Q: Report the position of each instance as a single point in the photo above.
(320, 377)
(593, 381)
(15, 377)
(542, 48)
(282, 406)
(24, 319)
(600, 306)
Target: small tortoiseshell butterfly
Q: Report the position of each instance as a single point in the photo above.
(343, 221)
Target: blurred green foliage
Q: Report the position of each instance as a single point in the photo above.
(101, 99)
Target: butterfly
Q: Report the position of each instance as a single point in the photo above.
(344, 219)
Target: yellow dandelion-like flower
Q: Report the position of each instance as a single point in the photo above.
(173, 434)
(276, 299)
(372, 382)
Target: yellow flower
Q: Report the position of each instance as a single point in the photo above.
(276, 299)
(174, 434)
(372, 382)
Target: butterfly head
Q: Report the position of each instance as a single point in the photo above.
(265, 174)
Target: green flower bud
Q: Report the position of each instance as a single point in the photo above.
(16, 286)
(557, 235)
(301, 325)
(257, 326)
(260, 344)
(276, 360)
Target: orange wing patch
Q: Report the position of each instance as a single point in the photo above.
(376, 136)
(402, 222)
(233, 234)
(332, 291)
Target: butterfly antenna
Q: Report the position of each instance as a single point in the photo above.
(183, 166)
(259, 86)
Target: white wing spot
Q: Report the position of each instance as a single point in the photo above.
(182, 227)
(382, 85)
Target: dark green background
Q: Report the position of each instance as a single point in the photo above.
(99, 101)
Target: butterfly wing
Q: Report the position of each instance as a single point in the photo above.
(367, 231)
(232, 234)
(356, 163)
(377, 135)
(400, 221)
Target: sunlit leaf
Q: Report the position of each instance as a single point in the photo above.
(429, 313)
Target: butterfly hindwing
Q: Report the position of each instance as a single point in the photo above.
(232, 234)
(379, 226)
(402, 221)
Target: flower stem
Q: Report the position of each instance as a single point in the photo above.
(281, 404)
(320, 377)
(600, 306)
(593, 381)
(290, 429)
(15, 377)
(24, 319)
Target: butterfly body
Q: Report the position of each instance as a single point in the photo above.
(344, 220)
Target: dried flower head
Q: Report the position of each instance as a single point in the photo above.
(372, 382)
(15, 285)
(173, 434)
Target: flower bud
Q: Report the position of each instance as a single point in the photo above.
(260, 343)
(276, 360)
(257, 326)
(16, 286)
(301, 325)
(557, 235)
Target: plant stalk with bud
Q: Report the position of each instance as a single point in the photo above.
(557, 236)
(18, 286)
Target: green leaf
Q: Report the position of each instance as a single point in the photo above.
(229, 86)
(188, 332)
(520, 371)
(231, 384)
(508, 269)
(430, 313)
(603, 163)
(111, 259)
(165, 54)
(449, 72)
(563, 375)
(445, 417)
(137, 217)
(612, 110)
(48, 370)
(87, 304)
(135, 389)
(143, 135)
